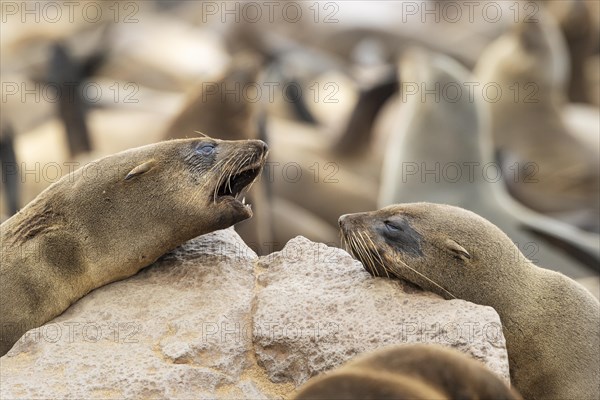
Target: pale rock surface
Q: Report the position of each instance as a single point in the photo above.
(212, 320)
(169, 331)
(318, 308)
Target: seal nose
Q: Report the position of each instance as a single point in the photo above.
(341, 220)
(262, 146)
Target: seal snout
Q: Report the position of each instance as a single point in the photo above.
(261, 147)
(342, 219)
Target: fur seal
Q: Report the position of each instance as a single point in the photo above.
(530, 66)
(9, 169)
(109, 219)
(409, 371)
(452, 134)
(222, 107)
(576, 21)
(64, 70)
(551, 323)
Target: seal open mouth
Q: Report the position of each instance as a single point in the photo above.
(231, 189)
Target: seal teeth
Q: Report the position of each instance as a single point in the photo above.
(244, 200)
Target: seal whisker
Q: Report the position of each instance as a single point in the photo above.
(223, 174)
(423, 276)
(245, 161)
(367, 254)
(230, 174)
(376, 250)
(351, 246)
(362, 257)
(203, 134)
(361, 253)
(252, 183)
(370, 254)
(368, 257)
(241, 164)
(219, 168)
(229, 170)
(355, 250)
(237, 167)
(223, 178)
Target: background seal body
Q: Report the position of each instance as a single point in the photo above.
(415, 371)
(454, 136)
(550, 322)
(555, 171)
(109, 219)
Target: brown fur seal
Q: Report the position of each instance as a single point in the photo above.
(561, 173)
(9, 169)
(576, 21)
(417, 371)
(111, 218)
(226, 108)
(551, 323)
(453, 136)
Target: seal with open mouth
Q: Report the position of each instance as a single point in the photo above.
(550, 322)
(115, 216)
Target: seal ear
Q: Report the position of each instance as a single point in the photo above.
(457, 250)
(140, 169)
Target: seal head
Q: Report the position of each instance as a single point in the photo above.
(402, 240)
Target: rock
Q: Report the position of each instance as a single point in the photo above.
(212, 320)
(172, 330)
(317, 308)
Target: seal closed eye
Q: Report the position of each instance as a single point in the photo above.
(115, 216)
(550, 322)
